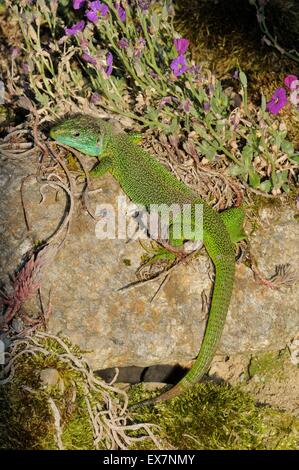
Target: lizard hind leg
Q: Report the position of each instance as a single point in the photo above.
(164, 252)
(233, 220)
(135, 137)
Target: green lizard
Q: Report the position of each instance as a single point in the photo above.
(147, 182)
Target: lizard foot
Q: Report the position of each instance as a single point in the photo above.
(156, 260)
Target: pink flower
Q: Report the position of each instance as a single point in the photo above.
(278, 101)
(77, 4)
(181, 45)
(289, 79)
(15, 51)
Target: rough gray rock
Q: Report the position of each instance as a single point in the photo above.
(125, 328)
(51, 378)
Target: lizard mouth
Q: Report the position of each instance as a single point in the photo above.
(59, 136)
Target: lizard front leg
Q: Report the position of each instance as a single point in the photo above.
(104, 165)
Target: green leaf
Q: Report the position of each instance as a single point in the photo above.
(155, 21)
(243, 79)
(207, 150)
(210, 153)
(263, 103)
(172, 127)
(278, 141)
(254, 179)
(265, 186)
(282, 177)
(42, 98)
(287, 147)
(165, 12)
(294, 158)
(247, 153)
(236, 170)
(215, 144)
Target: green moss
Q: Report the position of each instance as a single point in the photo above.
(209, 416)
(267, 364)
(77, 433)
(72, 163)
(26, 420)
(219, 417)
(127, 262)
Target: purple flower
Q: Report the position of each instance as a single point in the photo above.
(95, 97)
(96, 10)
(25, 68)
(75, 28)
(206, 106)
(15, 52)
(109, 62)
(139, 46)
(144, 4)
(181, 45)
(77, 4)
(164, 101)
(278, 101)
(186, 106)
(289, 79)
(123, 43)
(121, 12)
(178, 65)
(88, 58)
(141, 42)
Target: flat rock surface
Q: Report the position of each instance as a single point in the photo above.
(126, 328)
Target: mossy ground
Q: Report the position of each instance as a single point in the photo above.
(50, 399)
(266, 364)
(209, 416)
(25, 416)
(219, 417)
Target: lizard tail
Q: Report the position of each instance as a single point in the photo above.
(223, 257)
(171, 393)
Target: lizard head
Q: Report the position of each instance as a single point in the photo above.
(81, 132)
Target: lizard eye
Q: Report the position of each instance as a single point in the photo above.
(76, 134)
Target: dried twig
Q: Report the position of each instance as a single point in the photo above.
(86, 188)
